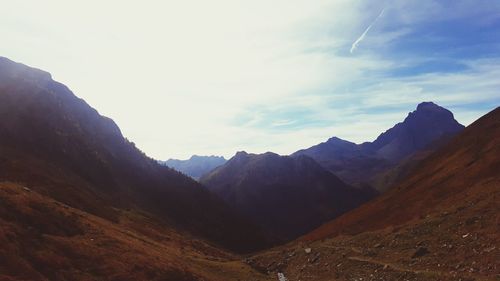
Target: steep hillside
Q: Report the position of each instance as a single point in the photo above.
(385, 180)
(196, 166)
(422, 130)
(59, 146)
(440, 223)
(44, 239)
(287, 196)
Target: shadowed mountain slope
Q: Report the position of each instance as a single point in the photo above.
(287, 196)
(57, 145)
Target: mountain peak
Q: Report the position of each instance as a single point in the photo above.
(431, 107)
(338, 141)
(240, 154)
(335, 139)
(428, 123)
(431, 112)
(270, 154)
(428, 105)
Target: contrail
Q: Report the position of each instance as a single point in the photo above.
(356, 43)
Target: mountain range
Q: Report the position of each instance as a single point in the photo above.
(288, 196)
(424, 129)
(196, 166)
(291, 195)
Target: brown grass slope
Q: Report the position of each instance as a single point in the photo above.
(44, 239)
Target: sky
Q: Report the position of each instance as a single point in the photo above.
(215, 77)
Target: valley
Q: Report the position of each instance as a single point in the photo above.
(79, 201)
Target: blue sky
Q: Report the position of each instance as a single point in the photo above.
(192, 77)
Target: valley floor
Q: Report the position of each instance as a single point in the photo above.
(457, 243)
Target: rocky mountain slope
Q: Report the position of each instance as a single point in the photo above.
(287, 196)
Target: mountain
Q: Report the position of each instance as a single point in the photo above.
(58, 146)
(452, 175)
(440, 222)
(196, 166)
(428, 123)
(287, 196)
(347, 160)
(422, 130)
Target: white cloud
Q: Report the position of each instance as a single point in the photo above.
(175, 75)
